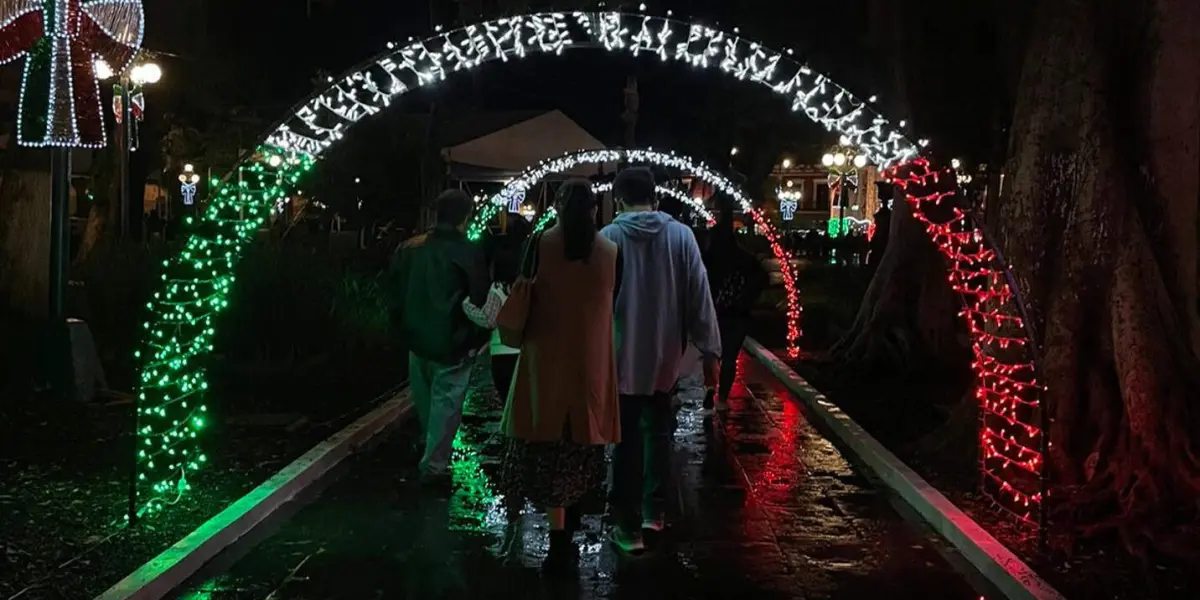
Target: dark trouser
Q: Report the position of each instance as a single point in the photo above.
(503, 368)
(438, 391)
(642, 461)
(733, 335)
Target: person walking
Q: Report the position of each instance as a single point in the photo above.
(664, 304)
(438, 270)
(883, 225)
(562, 405)
(737, 279)
(506, 265)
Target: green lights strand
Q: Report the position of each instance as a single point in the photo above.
(545, 220)
(195, 288)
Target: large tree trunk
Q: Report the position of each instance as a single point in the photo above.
(25, 242)
(908, 315)
(1099, 222)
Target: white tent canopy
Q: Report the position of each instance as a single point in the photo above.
(503, 154)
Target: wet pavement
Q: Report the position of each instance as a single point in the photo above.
(766, 508)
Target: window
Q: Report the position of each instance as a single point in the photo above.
(821, 196)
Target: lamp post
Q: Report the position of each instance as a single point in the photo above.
(127, 104)
(843, 162)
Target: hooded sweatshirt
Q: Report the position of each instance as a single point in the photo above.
(663, 304)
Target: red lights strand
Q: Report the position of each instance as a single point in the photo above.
(795, 306)
(1006, 384)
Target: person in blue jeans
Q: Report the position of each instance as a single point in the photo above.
(664, 303)
(437, 271)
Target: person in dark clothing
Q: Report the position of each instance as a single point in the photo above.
(883, 225)
(506, 263)
(437, 271)
(737, 279)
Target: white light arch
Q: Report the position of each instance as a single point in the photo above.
(523, 183)
(694, 204)
(320, 121)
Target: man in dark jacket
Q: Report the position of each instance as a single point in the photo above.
(437, 271)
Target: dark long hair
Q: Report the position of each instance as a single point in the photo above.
(576, 203)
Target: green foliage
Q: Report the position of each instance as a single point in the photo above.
(116, 279)
(294, 301)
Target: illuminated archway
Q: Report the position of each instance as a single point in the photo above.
(521, 185)
(693, 204)
(196, 282)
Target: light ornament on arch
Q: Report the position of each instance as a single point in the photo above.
(695, 204)
(61, 41)
(570, 161)
(321, 121)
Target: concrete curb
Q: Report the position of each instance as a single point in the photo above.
(1009, 574)
(167, 571)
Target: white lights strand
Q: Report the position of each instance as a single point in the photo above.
(696, 204)
(322, 120)
(521, 185)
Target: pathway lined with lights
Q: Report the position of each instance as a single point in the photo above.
(765, 508)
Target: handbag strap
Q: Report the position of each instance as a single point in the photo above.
(529, 262)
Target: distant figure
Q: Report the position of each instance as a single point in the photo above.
(664, 303)
(437, 271)
(562, 405)
(883, 225)
(506, 263)
(737, 279)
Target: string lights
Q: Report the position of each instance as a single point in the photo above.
(195, 288)
(70, 34)
(1011, 438)
(61, 41)
(522, 184)
(322, 120)
(603, 188)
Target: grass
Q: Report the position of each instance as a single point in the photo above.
(304, 347)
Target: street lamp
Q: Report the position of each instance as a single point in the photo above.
(128, 106)
(843, 161)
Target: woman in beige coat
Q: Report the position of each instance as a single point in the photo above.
(562, 406)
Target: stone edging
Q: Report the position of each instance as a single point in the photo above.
(165, 572)
(1008, 573)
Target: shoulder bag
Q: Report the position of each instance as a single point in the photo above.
(514, 316)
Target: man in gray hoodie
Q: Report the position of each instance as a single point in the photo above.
(664, 304)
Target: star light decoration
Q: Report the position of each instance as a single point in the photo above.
(321, 121)
(61, 41)
(569, 162)
(1012, 440)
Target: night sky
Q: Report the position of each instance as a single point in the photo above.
(270, 51)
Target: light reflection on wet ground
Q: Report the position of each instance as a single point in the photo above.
(765, 507)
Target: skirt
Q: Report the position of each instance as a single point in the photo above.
(552, 474)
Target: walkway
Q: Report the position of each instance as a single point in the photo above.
(767, 508)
